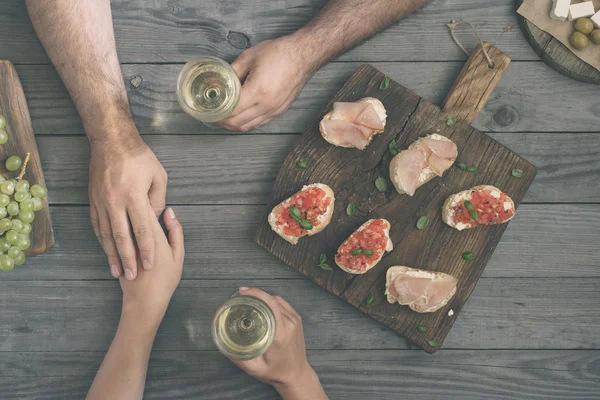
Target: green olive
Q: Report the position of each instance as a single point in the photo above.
(579, 40)
(584, 25)
(595, 36)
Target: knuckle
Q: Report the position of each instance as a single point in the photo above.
(141, 231)
(105, 234)
(120, 238)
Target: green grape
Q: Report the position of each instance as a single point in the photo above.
(16, 225)
(23, 242)
(14, 181)
(39, 191)
(26, 229)
(13, 163)
(6, 263)
(2, 121)
(26, 205)
(22, 196)
(14, 252)
(3, 136)
(13, 208)
(4, 200)
(12, 237)
(3, 212)
(38, 204)
(4, 245)
(20, 260)
(2, 179)
(5, 224)
(27, 216)
(7, 187)
(22, 185)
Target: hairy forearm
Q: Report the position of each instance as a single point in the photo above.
(79, 39)
(122, 375)
(342, 24)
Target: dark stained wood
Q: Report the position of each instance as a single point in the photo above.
(476, 82)
(351, 173)
(504, 313)
(345, 374)
(554, 53)
(21, 140)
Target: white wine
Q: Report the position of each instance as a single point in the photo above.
(243, 328)
(208, 89)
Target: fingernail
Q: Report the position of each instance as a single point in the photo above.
(244, 288)
(128, 274)
(147, 266)
(114, 270)
(171, 213)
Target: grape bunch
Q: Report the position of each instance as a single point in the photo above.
(18, 203)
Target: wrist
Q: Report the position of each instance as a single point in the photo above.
(146, 319)
(310, 56)
(111, 127)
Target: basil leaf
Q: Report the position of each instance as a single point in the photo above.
(469, 205)
(392, 147)
(357, 252)
(326, 267)
(350, 210)
(451, 120)
(474, 216)
(306, 224)
(461, 165)
(322, 258)
(517, 173)
(393, 152)
(421, 328)
(301, 164)
(471, 168)
(295, 213)
(370, 298)
(432, 343)
(381, 184)
(423, 222)
(468, 256)
(368, 252)
(385, 83)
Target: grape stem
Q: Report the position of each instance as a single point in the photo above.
(24, 166)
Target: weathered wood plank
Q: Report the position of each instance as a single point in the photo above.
(502, 313)
(220, 245)
(230, 169)
(176, 31)
(345, 374)
(519, 103)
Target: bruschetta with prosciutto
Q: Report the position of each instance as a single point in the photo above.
(307, 212)
(426, 158)
(423, 291)
(480, 205)
(353, 124)
(365, 247)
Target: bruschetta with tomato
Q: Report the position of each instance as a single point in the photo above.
(307, 212)
(365, 247)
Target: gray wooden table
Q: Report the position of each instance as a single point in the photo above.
(529, 331)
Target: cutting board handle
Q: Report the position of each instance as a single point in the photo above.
(475, 83)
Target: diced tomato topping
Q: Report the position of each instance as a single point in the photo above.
(490, 210)
(312, 203)
(372, 237)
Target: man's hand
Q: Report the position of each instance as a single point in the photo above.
(148, 297)
(284, 364)
(273, 73)
(127, 192)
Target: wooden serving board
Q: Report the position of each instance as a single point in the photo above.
(351, 174)
(20, 141)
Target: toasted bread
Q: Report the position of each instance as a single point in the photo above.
(389, 247)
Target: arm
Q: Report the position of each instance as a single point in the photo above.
(284, 364)
(122, 375)
(126, 178)
(275, 71)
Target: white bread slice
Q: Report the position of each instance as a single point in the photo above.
(426, 175)
(391, 274)
(389, 247)
(379, 109)
(324, 219)
(455, 199)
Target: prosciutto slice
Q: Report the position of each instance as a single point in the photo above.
(408, 289)
(369, 118)
(346, 134)
(348, 111)
(408, 165)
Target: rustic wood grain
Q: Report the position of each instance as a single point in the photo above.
(520, 103)
(346, 374)
(503, 313)
(21, 140)
(554, 53)
(180, 30)
(476, 82)
(351, 173)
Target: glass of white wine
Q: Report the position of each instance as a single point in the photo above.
(243, 327)
(208, 89)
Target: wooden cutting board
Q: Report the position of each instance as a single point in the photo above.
(20, 141)
(351, 174)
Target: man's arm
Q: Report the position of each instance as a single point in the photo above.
(275, 71)
(126, 178)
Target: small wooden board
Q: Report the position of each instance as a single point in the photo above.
(20, 141)
(558, 56)
(351, 174)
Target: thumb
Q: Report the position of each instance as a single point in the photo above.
(175, 233)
